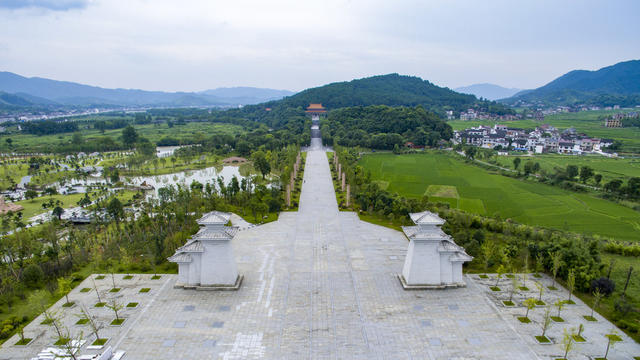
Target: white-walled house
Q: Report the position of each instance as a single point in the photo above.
(433, 261)
(206, 261)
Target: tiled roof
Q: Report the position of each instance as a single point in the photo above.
(226, 232)
(214, 218)
(415, 232)
(180, 258)
(426, 218)
(191, 246)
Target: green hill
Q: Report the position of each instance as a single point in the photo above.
(618, 84)
(391, 90)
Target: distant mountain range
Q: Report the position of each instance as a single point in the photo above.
(618, 84)
(488, 91)
(37, 91)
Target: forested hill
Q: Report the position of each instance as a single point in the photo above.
(391, 90)
(618, 84)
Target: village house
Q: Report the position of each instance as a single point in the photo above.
(543, 139)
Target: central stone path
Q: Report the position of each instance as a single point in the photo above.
(321, 284)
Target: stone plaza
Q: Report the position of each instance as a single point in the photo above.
(321, 284)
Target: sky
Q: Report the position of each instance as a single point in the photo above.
(193, 45)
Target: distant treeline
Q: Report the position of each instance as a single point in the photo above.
(48, 127)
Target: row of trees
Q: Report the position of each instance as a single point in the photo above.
(383, 127)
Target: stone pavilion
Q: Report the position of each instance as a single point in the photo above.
(433, 260)
(206, 261)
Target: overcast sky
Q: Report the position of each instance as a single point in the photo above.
(191, 45)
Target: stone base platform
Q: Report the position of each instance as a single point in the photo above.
(220, 287)
(406, 286)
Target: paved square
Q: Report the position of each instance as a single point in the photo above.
(320, 285)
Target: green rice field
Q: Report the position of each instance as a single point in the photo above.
(445, 178)
(610, 168)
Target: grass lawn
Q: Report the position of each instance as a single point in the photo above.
(23, 142)
(117, 322)
(484, 193)
(34, 206)
(99, 342)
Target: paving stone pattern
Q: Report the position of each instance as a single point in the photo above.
(318, 284)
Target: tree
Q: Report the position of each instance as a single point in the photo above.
(487, 248)
(93, 322)
(597, 296)
(546, 321)
(613, 185)
(515, 283)
(146, 148)
(84, 201)
(115, 209)
(585, 173)
(9, 141)
(32, 275)
(613, 338)
(597, 178)
(115, 306)
(560, 305)
(77, 139)
(95, 287)
(501, 270)
(129, 136)
(572, 171)
(30, 194)
(528, 167)
(530, 303)
(261, 163)
(603, 285)
(516, 163)
(57, 212)
(540, 289)
(556, 262)
(567, 342)
(571, 284)
(64, 287)
(470, 152)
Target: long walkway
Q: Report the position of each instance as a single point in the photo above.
(320, 284)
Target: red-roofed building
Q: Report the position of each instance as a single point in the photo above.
(316, 109)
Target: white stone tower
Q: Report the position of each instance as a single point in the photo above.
(433, 261)
(206, 261)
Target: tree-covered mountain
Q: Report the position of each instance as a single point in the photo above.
(70, 93)
(488, 91)
(618, 84)
(391, 90)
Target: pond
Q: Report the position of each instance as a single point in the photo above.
(185, 178)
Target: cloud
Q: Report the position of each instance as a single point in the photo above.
(55, 5)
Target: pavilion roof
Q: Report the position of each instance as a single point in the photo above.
(180, 258)
(214, 218)
(226, 232)
(192, 246)
(416, 232)
(426, 218)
